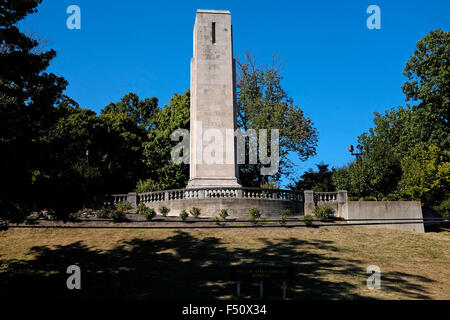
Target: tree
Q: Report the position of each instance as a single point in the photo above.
(406, 153)
(264, 104)
(27, 99)
(426, 175)
(142, 111)
(319, 181)
(158, 148)
(428, 73)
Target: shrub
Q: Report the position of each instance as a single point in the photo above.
(118, 216)
(369, 198)
(223, 214)
(164, 211)
(195, 212)
(149, 213)
(183, 215)
(353, 198)
(103, 213)
(323, 212)
(124, 206)
(286, 213)
(141, 207)
(254, 215)
(216, 221)
(308, 220)
(283, 220)
(73, 217)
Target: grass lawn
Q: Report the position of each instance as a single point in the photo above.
(329, 262)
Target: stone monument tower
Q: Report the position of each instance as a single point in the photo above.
(213, 102)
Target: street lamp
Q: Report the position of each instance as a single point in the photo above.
(358, 159)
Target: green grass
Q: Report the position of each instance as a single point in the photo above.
(329, 263)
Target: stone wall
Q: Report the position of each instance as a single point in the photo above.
(402, 215)
(237, 208)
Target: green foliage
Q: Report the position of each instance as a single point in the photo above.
(149, 213)
(286, 213)
(141, 207)
(195, 212)
(118, 216)
(183, 215)
(406, 154)
(444, 208)
(142, 111)
(217, 221)
(426, 175)
(283, 220)
(318, 181)
(148, 185)
(370, 198)
(307, 220)
(352, 198)
(428, 73)
(323, 212)
(103, 213)
(223, 214)
(28, 95)
(124, 206)
(158, 147)
(254, 215)
(164, 211)
(263, 104)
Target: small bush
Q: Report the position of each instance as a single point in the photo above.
(141, 208)
(164, 211)
(308, 220)
(73, 217)
(118, 216)
(369, 198)
(195, 212)
(149, 213)
(254, 215)
(216, 221)
(323, 212)
(223, 214)
(283, 220)
(353, 198)
(103, 213)
(124, 206)
(183, 215)
(286, 213)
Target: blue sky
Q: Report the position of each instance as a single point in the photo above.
(336, 69)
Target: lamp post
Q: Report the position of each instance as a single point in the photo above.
(358, 159)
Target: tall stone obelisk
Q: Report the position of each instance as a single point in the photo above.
(213, 102)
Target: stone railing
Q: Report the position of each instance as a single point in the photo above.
(335, 200)
(114, 199)
(202, 193)
(205, 193)
(325, 196)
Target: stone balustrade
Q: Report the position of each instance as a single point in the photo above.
(242, 196)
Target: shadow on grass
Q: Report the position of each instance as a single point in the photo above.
(185, 267)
